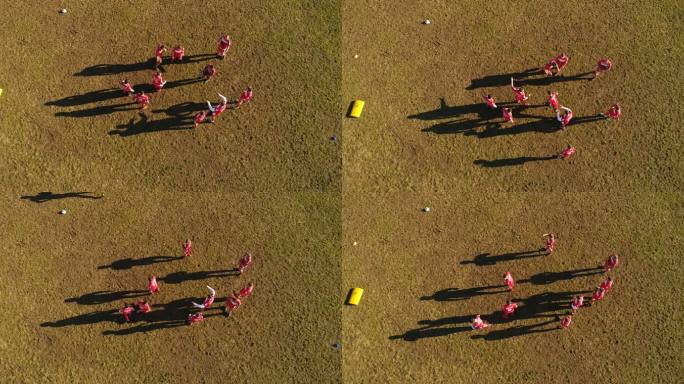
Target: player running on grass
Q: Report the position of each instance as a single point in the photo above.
(507, 114)
(208, 72)
(553, 100)
(565, 322)
(598, 295)
(603, 66)
(246, 291)
(489, 100)
(126, 87)
(127, 311)
(508, 280)
(509, 309)
(577, 303)
(157, 81)
(567, 152)
(194, 318)
(142, 99)
(152, 285)
(187, 245)
(478, 323)
(200, 117)
(244, 262)
(564, 119)
(607, 284)
(614, 112)
(611, 263)
(159, 54)
(177, 53)
(232, 303)
(245, 97)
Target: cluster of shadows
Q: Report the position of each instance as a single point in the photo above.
(47, 196)
(547, 307)
(179, 118)
(117, 69)
(163, 316)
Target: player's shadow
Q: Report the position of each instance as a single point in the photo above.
(47, 196)
(115, 69)
(187, 59)
(86, 318)
(455, 294)
(502, 79)
(97, 111)
(183, 82)
(541, 125)
(513, 161)
(145, 125)
(520, 330)
(90, 97)
(181, 276)
(488, 259)
(587, 119)
(548, 80)
(129, 263)
(545, 303)
(552, 277)
(101, 297)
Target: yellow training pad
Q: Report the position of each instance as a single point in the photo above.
(357, 108)
(355, 296)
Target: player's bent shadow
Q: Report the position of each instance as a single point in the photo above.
(129, 263)
(181, 276)
(455, 294)
(520, 330)
(488, 259)
(115, 69)
(541, 125)
(86, 98)
(552, 277)
(47, 196)
(97, 111)
(502, 79)
(145, 125)
(548, 80)
(185, 109)
(101, 297)
(513, 161)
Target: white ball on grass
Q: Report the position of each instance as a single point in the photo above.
(62, 212)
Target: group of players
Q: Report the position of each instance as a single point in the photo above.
(233, 301)
(209, 71)
(577, 302)
(553, 68)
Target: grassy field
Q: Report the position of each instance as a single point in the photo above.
(268, 179)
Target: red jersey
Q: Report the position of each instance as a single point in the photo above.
(565, 120)
(141, 99)
(195, 318)
(604, 65)
(614, 112)
(159, 51)
(209, 71)
(509, 309)
(177, 53)
(200, 117)
(565, 322)
(208, 301)
(223, 45)
(247, 290)
(507, 114)
(187, 246)
(152, 285)
(126, 311)
(245, 262)
(232, 303)
(508, 279)
(520, 95)
(562, 60)
(598, 295)
(246, 95)
(611, 263)
(568, 152)
(143, 307)
(548, 68)
(577, 303)
(607, 284)
(490, 102)
(553, 100)
(126, 87)
(478, 323)
(550, 243)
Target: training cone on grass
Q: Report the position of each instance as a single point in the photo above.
(356, 108)
(355, 296)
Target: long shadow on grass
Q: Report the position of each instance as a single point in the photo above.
(47, 196)
(129, 263)
(145, 125)
(185, 109)
(532, 76)
(520, 330)
(181, 276)
(553, 277)
(97, 111)
(86, 318)
(101, 297)
(455, 294)
(511, 161)
(488, 259)
(115, 69)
